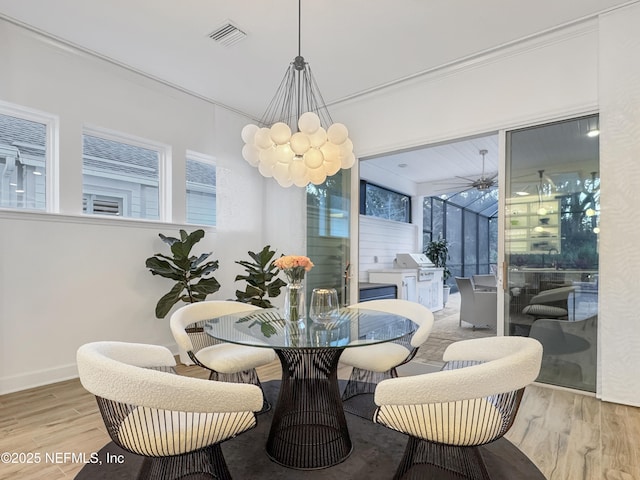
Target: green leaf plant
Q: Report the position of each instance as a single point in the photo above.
(194, 280)
(438, 252)
(261, 273)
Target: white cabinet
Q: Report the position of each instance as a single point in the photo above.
(426, 289)
(430, 289)
(406, 280)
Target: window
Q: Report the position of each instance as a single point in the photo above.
(102, 205)
(26, 146)
(201, 189)
(381, 202)
(122, 176)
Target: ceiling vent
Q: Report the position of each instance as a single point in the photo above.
(227, 35)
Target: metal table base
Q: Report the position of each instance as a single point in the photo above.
(309, 428)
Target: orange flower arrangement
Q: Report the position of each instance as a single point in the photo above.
(294, 266)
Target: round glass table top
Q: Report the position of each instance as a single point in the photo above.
(350, 327)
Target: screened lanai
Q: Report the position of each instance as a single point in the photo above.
(468, 221)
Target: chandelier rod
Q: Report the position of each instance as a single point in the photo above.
(299, 61)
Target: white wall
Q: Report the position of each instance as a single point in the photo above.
(548, 78)
(68, 279)
(381, 240)
(619, 92)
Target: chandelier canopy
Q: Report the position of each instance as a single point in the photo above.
(296, 141)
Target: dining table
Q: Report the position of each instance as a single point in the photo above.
(309, 429)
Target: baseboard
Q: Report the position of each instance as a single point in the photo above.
(38, 378)
(47, 376)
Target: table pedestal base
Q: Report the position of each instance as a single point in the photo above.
(309, 428)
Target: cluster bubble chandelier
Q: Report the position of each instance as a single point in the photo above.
(296, 141)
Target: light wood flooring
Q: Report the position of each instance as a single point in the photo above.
(568, 436)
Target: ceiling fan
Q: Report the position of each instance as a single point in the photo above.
(484, 182)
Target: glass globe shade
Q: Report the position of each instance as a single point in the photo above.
(249, 132)
(284, 183)
(318, 138)
(265, 170)
(281, 173)
(317, 176)
(308, 123)
(332, 167)
(596, 230)
(284, 153)
(262, 138)
(590, 212)
(337, 133)
(348, 160)
(346, 147)
(268, 157)
(538, 229)
(299, 143)
(298, 171)
(251, 154)
(280, 133)
(313, 158)
(542, 211)
(331, 152)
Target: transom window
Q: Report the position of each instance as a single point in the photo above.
(24, 158)
(201, 189)
(381, 202)
(121, 175)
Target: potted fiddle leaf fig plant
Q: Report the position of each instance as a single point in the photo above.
(438, 252)
(194, 279)
(261, 279)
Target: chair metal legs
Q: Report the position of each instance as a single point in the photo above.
(357, 397)
(424, 459)
(207, 462)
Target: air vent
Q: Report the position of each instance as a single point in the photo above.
(227, 35)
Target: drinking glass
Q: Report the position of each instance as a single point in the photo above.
(324, 305)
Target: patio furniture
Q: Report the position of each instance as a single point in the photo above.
(484, 282)
(553, 303)
(477, 307)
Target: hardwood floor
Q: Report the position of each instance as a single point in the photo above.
(567, 435)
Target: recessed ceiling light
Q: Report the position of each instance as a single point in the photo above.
(402, 165)
(522, 194)
(594, 132)
(36, 172)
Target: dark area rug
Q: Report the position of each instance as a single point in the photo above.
(376, 454)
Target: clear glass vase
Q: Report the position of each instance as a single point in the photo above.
(294, 302)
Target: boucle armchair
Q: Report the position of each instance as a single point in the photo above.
(176, 422)
(374, 363)
(226, 362)
(448, 414)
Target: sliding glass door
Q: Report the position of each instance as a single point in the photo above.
(551, 245)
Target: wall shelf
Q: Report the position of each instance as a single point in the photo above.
(532, 226)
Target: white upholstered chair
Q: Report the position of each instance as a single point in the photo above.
(176, 422)
(448, 414)
(374, 363)
(226, 362)
(477, 307)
